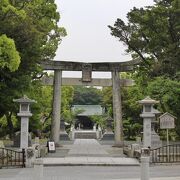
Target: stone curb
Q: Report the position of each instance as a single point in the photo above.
(90, 164)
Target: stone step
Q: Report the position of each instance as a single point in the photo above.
(90, 161)
(85, 135)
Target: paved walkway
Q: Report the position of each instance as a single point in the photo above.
(89, 152)
(89, 173)
(93, 159)
(87, 147)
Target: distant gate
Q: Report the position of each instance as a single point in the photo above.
(12, 158)
(166, 154)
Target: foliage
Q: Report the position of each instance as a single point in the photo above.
(131, 129)
(107, 100)
(9, 57)
(167, 92)
(152, 35)
(86, 96)
(67, 99)
(42, 109)
(32, 26)
(4, 131)
(100, 120)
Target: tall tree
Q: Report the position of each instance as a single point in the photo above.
(152, 35)
(33, 26)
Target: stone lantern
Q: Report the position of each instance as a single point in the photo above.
(108, 135)
(24, 113)
(148, 116)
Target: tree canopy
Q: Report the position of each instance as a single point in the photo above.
(87, 96)
(152, 35)
(9, 56)
(29, 34)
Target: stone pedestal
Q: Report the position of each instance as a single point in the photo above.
(155, 138)
(71, 134)
(17, 140)
(30, 157)
(99, 132)
(108, 135)
(63, 134)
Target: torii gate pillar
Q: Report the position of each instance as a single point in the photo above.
(117, 108)
(55, 125)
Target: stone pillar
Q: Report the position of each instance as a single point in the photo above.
(108, 135)
(55, 125)
(38, 169)
(117, 108)
(145, 158)
(63, 134)
(147, 132)
(24, 132)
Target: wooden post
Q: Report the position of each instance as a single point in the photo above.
(55, 125)
(117, 108)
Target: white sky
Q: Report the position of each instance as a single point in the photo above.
(89, 38)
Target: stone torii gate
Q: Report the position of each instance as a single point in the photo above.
(86, 80)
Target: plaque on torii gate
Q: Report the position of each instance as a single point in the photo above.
(114, 67)
(86, 72)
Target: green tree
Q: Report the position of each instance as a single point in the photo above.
(67, 99)
(167, 92)
(132, 123)
(87, 95)
(33, 26)
(42, 109)
(152, 35)
(107, 100)
(9, 56)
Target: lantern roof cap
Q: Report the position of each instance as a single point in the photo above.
(24, 99)
(148, 100)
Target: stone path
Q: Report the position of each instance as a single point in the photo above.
(89, 173)
(89, 152)
(87, 147)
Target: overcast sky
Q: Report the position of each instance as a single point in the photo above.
(88, 37)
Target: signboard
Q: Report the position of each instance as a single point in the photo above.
(51, 146)
(167, 121)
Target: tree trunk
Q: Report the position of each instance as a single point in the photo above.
(10, 125)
